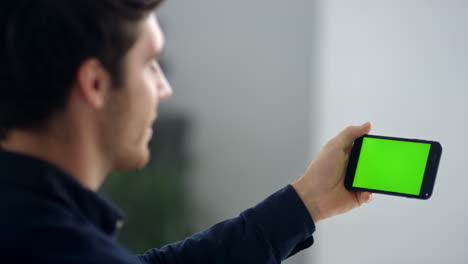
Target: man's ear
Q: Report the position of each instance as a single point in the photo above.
(93, 82)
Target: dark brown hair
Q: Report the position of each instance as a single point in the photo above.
(43, 42)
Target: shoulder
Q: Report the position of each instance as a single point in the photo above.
(64, 242)
(34, 230)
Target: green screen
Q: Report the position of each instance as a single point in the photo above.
(391, 165)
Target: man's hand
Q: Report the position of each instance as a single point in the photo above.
(321, 188)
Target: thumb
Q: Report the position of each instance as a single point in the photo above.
(365, 197)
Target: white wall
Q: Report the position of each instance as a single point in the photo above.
(241, 71)
(403, 65)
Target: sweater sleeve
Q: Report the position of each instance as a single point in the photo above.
(273, 230)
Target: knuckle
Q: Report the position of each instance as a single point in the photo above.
(331, 142)
(349, 129)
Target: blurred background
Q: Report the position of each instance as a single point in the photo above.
(261, 85)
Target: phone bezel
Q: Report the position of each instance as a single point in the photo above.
(430, 173)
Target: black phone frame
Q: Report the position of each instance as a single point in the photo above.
(430, 173)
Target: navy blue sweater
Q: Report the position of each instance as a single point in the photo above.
(48, 217)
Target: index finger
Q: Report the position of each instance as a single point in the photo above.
(351, 133)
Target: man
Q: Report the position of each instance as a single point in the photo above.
(80, 85)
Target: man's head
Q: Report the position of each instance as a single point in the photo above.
(94, 59)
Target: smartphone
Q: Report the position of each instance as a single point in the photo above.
(395, 166)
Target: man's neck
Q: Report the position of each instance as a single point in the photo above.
(69, 153)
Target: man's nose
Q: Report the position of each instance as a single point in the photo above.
(165, 89)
